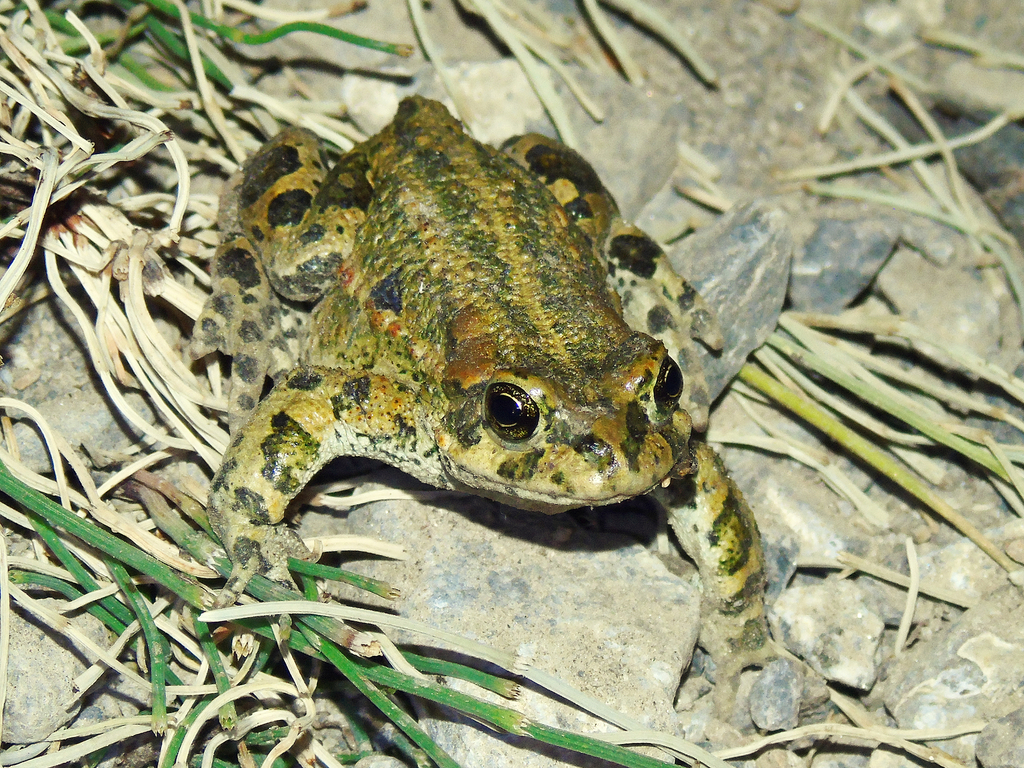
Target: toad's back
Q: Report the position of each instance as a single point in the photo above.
(465, 263)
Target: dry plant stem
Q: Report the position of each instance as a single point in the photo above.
(433, 55)
(843, 83)
(955, 181)
(506, 661)
(1008, 466)
(819, 356)
(154, 131)
(896, 329)
(915, 586)
(611, 38)
(279, 16)
(913, 379)
(551, 58)
(365, 616)
(212, 710)
(5, 625)
(646, 736)
(645, 14)
(924, 174)
(849, 560)
(877, 458)
(206, 92)
(897, 156)
(880, 62)
(534, 73)
(817, 460)
(73, 753)
(62, 626)
(40, 202)
(840, 732)
(988, 56)
(797, 380)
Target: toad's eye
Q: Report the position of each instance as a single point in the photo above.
(669, 385)
(510, 411)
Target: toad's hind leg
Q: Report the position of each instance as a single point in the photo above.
(288, 226)
(717, 530)
(653, 297)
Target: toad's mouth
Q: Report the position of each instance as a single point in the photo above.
(553, 487)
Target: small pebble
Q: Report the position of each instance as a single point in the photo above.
(775, 696)
(830, 626)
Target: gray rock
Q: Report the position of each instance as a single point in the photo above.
(41, 669)
(1001, 744)
(594, 609)
(839, 261)
(631, 149)
(923, 293)
(830, 627)
(959, 567)
(775, 696)
(971, 670)
(740, 266)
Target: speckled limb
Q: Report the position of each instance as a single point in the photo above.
(289, 227)
(654, 299)
(241, 319)
(309, 418)
(717, 530)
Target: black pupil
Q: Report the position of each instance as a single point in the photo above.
(505, 409)
(510, 411)
(669, 385)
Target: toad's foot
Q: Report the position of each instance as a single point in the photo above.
(717, 530)
(256, 548)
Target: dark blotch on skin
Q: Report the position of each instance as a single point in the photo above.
(595, 450)
(286, 449)
(387, 294)
(638, 254)
(659, 320)
(257, 234)
(254, 504)
(250, 332)
(578, 208)
(245, 403)
(310, 277)
(226, 470)
(637, 427)
(247, 367)
(521, 467)
(288, 208)
(355, 392)
(209, 326)
(346, 185)
(314, 234)
(305, 381)
(464, 421)
(728, 526)
(552, 163)
(403, 428)
(687, 298)
(239, 265)
(263, 171)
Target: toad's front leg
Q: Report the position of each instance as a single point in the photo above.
(717, 530)
(314, 415)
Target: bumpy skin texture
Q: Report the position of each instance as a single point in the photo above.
(485, 322)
